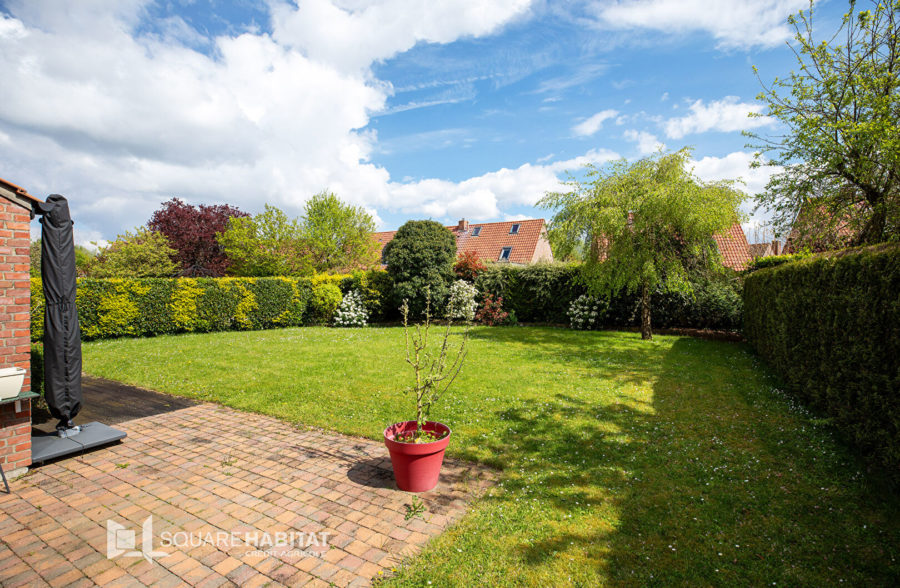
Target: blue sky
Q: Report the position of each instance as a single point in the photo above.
(438, 109)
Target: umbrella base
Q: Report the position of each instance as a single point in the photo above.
(52, 446)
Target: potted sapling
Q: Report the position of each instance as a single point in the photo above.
(417, 446)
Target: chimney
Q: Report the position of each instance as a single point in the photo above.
(463, 226)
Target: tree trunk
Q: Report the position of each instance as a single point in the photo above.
(873, 231)
(645, 313)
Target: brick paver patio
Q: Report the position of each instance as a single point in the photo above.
(212, 478)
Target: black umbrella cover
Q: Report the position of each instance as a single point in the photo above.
(62, 333)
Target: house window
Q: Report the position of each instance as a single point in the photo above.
(514, 230)
(476, 231)
(504, 254)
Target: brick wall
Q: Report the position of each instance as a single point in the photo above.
(15, 326)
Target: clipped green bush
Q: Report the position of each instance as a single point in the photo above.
(325, 299)
(37, 368)
(759, 263)
(133, 307)
(539, 293)
(830, 325)
(420, 260)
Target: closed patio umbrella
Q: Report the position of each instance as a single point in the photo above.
(62, 333)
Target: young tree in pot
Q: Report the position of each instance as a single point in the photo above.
(417, 446)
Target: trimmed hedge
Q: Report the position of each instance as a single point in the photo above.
(542, 293)
(121, 307)
(539, 293)
(37, 368)
(830, 325)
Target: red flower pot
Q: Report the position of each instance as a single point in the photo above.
(417, 466)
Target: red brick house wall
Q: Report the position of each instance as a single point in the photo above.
(15, 326)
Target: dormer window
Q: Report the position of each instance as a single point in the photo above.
(514, 230)
(476, 231)
(504, 254)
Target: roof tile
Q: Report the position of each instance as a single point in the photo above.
(491, 240)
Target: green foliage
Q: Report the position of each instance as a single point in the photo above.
(37, 368)
(829, 325)
(264, 245)
(34, 253)
(420, 258)
(37, 309)
(325, 300)
(840, 155)
(142, 254)
(539, 293)
(84, 259)
(759, 263)
(120, 307)
(542, 293)
(338, 236)
(714, 303)
(651, 223)
(376, 288)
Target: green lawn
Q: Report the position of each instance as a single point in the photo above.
(676, 461)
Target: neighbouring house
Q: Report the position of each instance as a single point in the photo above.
(520, 242)
(765, 249)
(817, 230)
(15, 323)
(734, 248)
(732, 244)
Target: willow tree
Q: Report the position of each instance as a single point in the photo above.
(647, 225)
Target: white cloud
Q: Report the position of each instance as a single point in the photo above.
(481, 198)
(735, 166)
(741, 24)
(594, 123)
(647, 143)
(352, 39)
(723, 115)
(120, 121)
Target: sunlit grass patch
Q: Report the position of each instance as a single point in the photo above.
(671, 462)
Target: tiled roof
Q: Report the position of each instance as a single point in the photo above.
(734, 247)
(383, 238)
(491, 239)
(20, 192)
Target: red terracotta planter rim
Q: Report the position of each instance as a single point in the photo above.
(404, 426)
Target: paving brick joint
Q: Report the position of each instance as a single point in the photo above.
(235, 499)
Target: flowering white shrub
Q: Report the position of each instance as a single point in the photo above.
(587, 312)
(462, 303)
(352, 312)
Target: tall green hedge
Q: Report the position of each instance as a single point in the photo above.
(539, 293)
(830, 325)
(542, 293)
(154, 306)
